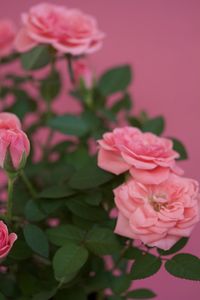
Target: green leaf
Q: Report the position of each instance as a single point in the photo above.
(62, 234)
(32, 211)
(145, 266)
(69, 260)
(123, 104)
(133, 121)
(23, 104)
(180, 148)
(90, 176)
(50, 86)
(20, 251)
(133, 253)
(36, 239)
(2, 297)
(58, 191)
(45, 295)
(178, 246)
(115, 80)
(120, 284)
(70, 125)
(102, 241)
(156, 125)
(185, 266)
(141, 294)
(74, 293)
(78, 207)
(36, 58)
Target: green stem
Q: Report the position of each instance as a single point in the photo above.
(28, 184)
(70, 69)
(11, 180)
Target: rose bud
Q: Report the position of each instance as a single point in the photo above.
(9, 120)
(6, 240)
(82, 71)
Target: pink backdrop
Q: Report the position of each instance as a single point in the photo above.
(161, 39)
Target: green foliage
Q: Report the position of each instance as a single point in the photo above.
(51, 86)
(177, 247)
(36, 58)
(180, 148)
(156, 125)
(68, 260)
(36, 239)
(145, 266)
(115, 80)
(185, 266)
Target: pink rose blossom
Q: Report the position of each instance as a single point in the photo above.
(13, 141)
(6, 240)
(158, 215)
(7, 36)
(82, 71)
(149, 158)
(67, 30)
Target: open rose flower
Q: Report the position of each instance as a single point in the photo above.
(6, 240)
(7, 36)
(158, 215)
(14, 144)
(149, 158)
(67, 30)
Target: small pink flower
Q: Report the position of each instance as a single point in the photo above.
(82, 71)
(6, 240)
(158, 215)
(7, 36)
(149, 158)
(53, 222)
(13, 141)
(67, 30)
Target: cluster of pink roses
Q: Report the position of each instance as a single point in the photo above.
(66, 30)
(14, 148)
(156, 204)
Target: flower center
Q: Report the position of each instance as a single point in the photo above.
(158, 201)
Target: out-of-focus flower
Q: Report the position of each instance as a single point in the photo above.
(7, 36)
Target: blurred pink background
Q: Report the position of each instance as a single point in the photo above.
(161, 40)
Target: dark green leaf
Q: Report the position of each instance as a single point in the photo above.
(20, 251)
(62, 234)
(32, 211)
(141, 294)
(180, 148)
(2, 297)
(23, 103)
(45, 295)
(74, 293)
(120, 284)
(58, 191)
(90, 176)
(156, 125)
(178, 246)
(123, 104)
(68, 260)
(36, 58)
(102, 241)
(36, 239)
(135, 122)
(70, 125)
(145, 266)
(115, 80)
(185, 266)
(50, 86)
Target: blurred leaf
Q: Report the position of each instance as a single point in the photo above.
(69, 124)
(133, 253)
(124, 104)
(8, 287)
(64, 233)
(135, 122)
(58, 191)
(45, 295)
(90, 176)
(155, 125)
(141, 294)
(36, 58)
(120, 284)
(23, 104)
(180, 148)
(51, 86)
(145, 266)
(93, 198)
(68, 260)
(185, 266)
(20, 251)
(74, 293)
(115, 80)
(32, 211)
(36, 239)
(178, 246)
(2, 297)
(102, 241)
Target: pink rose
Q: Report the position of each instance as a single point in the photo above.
(82, 71)
(7, 36)
(67, 30)
(13, 141)
(158, 215)
(6, 240)
(149, 158)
